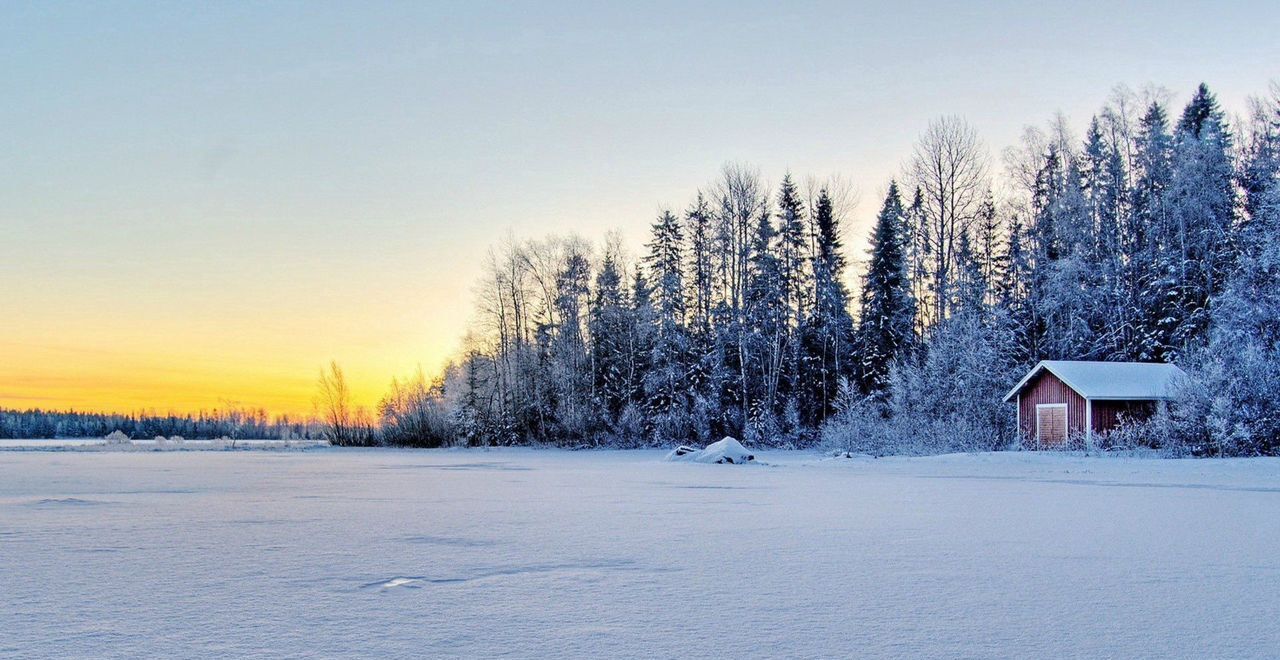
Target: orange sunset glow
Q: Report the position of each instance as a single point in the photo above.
(110, 356)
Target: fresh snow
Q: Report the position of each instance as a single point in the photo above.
(548, 554)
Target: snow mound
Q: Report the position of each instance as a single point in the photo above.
(726, 450)
(117, 437)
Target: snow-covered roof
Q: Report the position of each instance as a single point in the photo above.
(1109, 380)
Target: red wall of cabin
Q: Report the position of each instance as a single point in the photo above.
(1048, 388)
(1106, 414)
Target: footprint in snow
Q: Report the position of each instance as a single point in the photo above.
(398, 582)
(416, 582)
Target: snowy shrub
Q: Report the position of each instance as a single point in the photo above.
(860, 425)
(763, 428)
(1229, 405)
(947, 400)
(631, 427)
(117, 437)
(951, 399)
(1239, 375)
(700, 418)
(415, 414)
(1154, 434)
(671, 426)
(1215, 411)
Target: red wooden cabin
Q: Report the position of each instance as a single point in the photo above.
(1060, 399)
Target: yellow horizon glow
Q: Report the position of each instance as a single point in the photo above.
(91, 380)
(89, 347)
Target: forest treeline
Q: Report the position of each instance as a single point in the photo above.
(1151, 237)
(231, 422)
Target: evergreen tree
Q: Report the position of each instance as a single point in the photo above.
(665, 383)
(1013, 290)
(1232, 404)
(1261, 167)
(1105, 188)
(887, 315)
(1149, 286)
(1139, 243)
(1202, 109)
(987, 247)
(828, 333)
(919, 242)
(706, 371)
(970, 294)
(698, 228)
(765, 329)
(793, 281)
(611, 333)
(637, 416)
(1198, 240)
(791, 246)
(569, 387)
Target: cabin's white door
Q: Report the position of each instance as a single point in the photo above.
(1051, 424)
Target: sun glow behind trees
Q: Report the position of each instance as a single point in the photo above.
(184, 365)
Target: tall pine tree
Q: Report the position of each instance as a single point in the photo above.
(887, 315)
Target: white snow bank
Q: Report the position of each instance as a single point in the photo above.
(726, 450)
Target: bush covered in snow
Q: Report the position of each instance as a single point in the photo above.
(1230, 403)
(948, 400)
(117, 437)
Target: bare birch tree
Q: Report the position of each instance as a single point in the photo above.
(949, 165)
(333, 405)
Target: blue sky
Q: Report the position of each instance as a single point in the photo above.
(253, 188)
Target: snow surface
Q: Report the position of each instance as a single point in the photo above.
(1110, 380)
(528, 553)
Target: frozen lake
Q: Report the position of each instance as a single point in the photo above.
(527, 553)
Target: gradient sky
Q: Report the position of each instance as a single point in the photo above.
(205, 202)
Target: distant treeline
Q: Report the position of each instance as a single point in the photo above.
(234, 423)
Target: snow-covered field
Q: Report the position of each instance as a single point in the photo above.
(538, 554)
